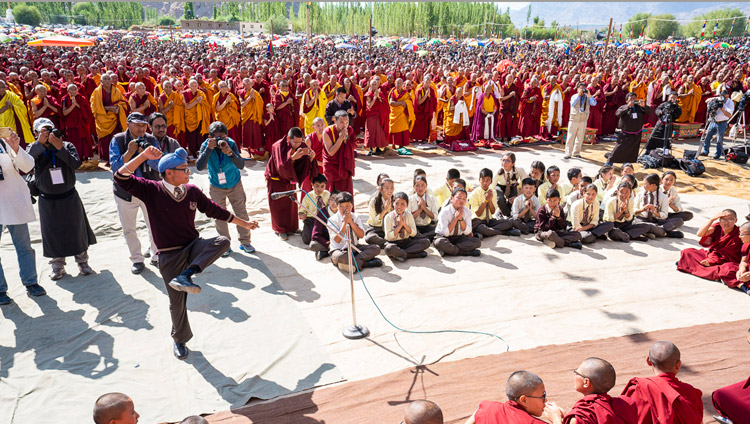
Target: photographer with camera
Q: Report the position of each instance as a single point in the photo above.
(666, 113)
(720, 109)
(65, 227)
(632, 115)
(221, 156)
(125, 146)
(580, 108)
(16, 211)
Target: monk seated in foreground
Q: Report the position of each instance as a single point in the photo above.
(423, 412)
(663, 399)
(733, 401)
(721, 258)
(527, 404)
(594, 378)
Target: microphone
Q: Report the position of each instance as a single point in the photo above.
(279, 194)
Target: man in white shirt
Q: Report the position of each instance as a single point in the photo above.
(349, 223)
(719, 125)
(453, 231)
(16, 212)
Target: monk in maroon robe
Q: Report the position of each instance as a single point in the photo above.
(530, 110)
(568, 91)
(289, 164)
(78, 122)
(721, 258)
(376, 117)
(47, 104)
(508, 119)
(86, 81)
(594, 378)
(271, 129)
(527, 397)
(425, 105)
(285, 106)
(338, 154)
(596, 112)
(614, 98)
(733, 401)
(663, 399)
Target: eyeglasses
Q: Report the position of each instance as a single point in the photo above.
(185, 170)
(579, 374)
(542, 397)
(159, 126)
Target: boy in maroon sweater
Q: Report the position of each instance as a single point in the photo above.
(551, 227)
(171, 204)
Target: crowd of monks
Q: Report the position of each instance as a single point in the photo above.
(397, 97)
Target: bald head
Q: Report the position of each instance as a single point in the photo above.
(423, 412)
(194, 419)
(110, 407)
(521, 383)
(601, 374)
(745, 229)
(664, 356)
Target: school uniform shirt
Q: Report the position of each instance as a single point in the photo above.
(516, 174)
(445, 218)
(563, 188)
(476, 199)
(411, 191)
(613, 204)
(673, 192)
(572, 197)
(337, 220)
(431, 206)
(374, 219)
(389, 225)
(310, 202)
(581, 208)
(519, 203)
(442, 193)
(659, 199)
(601, 187)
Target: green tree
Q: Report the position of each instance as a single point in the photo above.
(277, 24)
(27, 15)
(167, 21)
(662, 29)
(693, 29)
(188, 11)
(636, 22)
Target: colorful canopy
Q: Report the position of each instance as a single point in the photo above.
(61, 41)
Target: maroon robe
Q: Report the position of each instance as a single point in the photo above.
(271, 131)
(376, 121)
(339, 168)
(596, 112)
(723, 253)
(78, 125)
(424, 113)
(490, 412)
(663, 399)
(508, 119)
(700, 114)
(287, 116)
(259, 85)
(566, 103)
(530, 113)
(733, 402)
(282, 174)
(140, 100)
(603, 409)
(48, 113)
(609, 119)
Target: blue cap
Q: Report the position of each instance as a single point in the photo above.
(172, 160)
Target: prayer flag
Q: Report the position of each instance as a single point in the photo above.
(715, 28)
(270, 47)
(703, 31)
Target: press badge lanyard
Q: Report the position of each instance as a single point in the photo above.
(220, 175)
(55, 172)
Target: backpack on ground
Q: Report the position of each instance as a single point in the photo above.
(664, 159)
(692, 167)
(648, 161)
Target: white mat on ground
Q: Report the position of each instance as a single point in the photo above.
(256, 336)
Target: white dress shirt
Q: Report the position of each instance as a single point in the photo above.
(15, 200)
(445, 218)
(337, 220)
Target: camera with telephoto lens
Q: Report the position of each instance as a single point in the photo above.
(669, 114)
(713, 107)
(221, 142)
(743, 101)
(143, 143)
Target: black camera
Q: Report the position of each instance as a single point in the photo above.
(143, 143)
(221, 142)
(743, 101)
(57, 132)
(714, 106)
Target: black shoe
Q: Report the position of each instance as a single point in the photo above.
(321, 255)
(514, 232)
(184, 283)
(576, 245)
(650, 236)
(35, 290)
(422, 254)
(137, 268)
(480, 236)
(373, 263)
(474, 252)
(5, 299)
(641, 238)
(180, 351)
(675, 234)
(602, 237)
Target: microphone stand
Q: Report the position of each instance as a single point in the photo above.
(354, 331)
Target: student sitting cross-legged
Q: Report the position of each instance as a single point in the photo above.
(483, 202)
(380, 205)
(423, 208)
(584, 216)
(443, 191)
(311, 204)
(525, 206)
(652, 209)
(551, 225)
(675, 206)
(319, 237)
(453, 231)
(350, 223)
(619, 210)
(401, 232)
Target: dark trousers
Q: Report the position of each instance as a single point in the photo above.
(194, 140)
(375, 235)
(683, 215)
(490, 227)
(317, 246)
(505, 203)
(307, 227)
(200, 253)
(526, 227)
(659, 227)
(406, 247)
(459, 245)
(625, 231)
(367, 252)
(560, 238)
(590, 236)
(427, 231)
